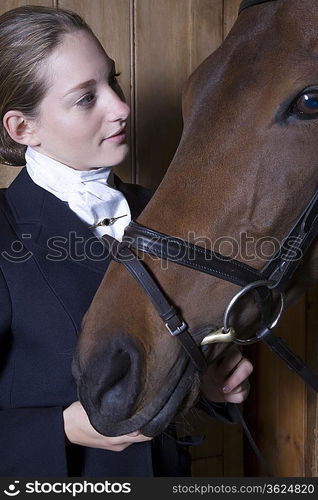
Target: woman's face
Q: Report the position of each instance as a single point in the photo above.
(82, 118)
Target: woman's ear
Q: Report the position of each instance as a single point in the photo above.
(21, 129)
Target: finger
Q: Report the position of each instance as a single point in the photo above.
(237, 397)
(137, 439)
(144, 438)
(241, 372)
(228, 363)
(133, 434)
(244, 386)
(121, 442)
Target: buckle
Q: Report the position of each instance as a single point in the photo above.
(179, 329)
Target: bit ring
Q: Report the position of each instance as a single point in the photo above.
(238, 295)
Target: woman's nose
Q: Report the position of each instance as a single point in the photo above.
(117, 108)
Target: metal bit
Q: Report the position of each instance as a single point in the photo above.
(219, 335)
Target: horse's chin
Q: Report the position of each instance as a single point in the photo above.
(174, 407)
(157, 415)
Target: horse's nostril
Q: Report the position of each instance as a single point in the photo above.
(113, 377)
(121, 365)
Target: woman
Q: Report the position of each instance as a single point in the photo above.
(63, 115)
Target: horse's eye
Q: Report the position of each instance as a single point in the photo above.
(305, 106)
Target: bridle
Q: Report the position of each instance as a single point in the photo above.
(273, 278)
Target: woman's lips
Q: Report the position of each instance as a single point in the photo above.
(117, 138)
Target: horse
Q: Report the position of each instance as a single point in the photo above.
(243, 177)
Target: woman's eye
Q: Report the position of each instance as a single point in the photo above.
(305, 106)
(86, 100)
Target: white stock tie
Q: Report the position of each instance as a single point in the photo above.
(87, 192)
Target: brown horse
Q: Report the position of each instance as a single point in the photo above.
(245, 168)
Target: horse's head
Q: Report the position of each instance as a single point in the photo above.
(245, 168)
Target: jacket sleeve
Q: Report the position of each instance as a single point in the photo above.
(32, 441)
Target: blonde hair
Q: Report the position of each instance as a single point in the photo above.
(28, 35)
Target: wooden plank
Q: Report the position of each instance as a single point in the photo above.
(198, 423)
(220, 440)
(110, 20)
(230, 14)
(207, 467)
(8, 174)
(233, 465)
(205, 30)
(161, 65)
(12, 4)
(311, 464)
(276, 410)
(172, 37)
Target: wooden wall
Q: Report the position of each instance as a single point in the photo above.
(156, 45)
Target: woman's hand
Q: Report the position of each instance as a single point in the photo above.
(226, 380)
(78, 430)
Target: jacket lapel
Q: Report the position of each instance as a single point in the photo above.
(43, 220)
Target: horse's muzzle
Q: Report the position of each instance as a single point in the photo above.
(110, 380)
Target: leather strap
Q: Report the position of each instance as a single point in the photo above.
(288, 257)
(294, 362)
(252, 443)
(195, 257)
(189, 255)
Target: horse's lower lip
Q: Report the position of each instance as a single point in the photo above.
(154, 419)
